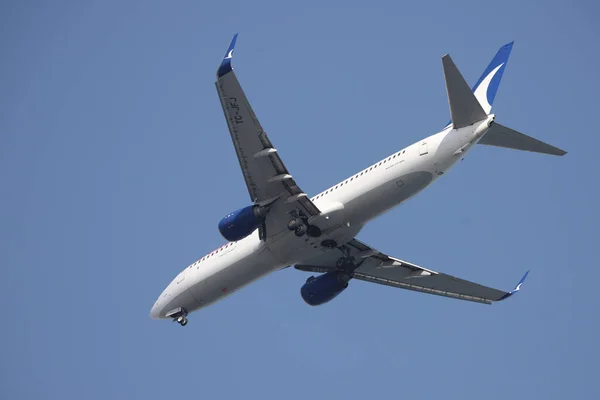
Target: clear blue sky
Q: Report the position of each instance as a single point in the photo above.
(116, 166)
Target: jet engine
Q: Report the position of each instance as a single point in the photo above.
(326, 287)
(242, 222)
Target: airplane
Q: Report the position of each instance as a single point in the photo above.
(282, 226)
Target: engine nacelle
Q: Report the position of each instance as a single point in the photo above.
(326, 287)
(242, 222)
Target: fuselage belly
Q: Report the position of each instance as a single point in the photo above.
(364, 196)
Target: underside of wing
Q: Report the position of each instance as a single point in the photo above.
(267, 179)
(373, 266)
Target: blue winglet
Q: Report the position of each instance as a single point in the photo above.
(225, 66)
(516, 289)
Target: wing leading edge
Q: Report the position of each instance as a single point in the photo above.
(267, 179)
(380, 268)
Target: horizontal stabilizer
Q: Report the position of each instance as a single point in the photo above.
(464, 106)
(501, 136)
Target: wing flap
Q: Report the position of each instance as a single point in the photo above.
(440, 285)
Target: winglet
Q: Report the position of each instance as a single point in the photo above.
(225, 66)
(516, 289)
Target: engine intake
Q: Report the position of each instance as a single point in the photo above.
(324, 288)
(242, 222)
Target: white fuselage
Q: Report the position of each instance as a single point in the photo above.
(360, 198)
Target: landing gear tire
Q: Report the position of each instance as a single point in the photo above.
(295, 223)
(342, 263)
(181, 320)
(301, 230)
(184, 322)
(314, 231)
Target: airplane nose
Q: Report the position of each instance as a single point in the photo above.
(155, 311)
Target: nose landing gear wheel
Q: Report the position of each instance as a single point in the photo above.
(179, 315)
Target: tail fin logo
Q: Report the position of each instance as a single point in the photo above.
(485, 93)
(487, 86)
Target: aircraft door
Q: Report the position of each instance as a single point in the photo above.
(423, 149)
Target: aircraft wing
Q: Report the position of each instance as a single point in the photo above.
(377, 267)
(267, 178)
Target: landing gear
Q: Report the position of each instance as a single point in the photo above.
(295, 223)
(342, 263)
(301, 230)
(347, 263)
(301, 227)
(179, 315)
